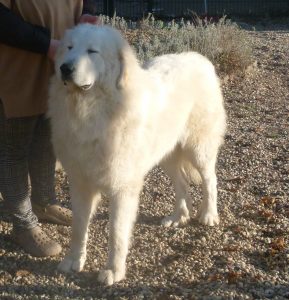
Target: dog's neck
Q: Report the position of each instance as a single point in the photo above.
(98, 100)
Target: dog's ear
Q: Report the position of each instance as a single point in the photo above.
(127, 62)
(122, 77)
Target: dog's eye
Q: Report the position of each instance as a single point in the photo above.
(69, 47)
(91, 51)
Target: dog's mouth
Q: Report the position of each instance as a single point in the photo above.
(84, 87)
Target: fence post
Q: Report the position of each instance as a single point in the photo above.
(108, 7)
(150, 6)
(206, 7)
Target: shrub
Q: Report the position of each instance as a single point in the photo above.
(226, 45)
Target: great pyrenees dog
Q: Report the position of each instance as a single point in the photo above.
(114, 120)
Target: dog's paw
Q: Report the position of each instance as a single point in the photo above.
(70, 264)
(208, 218)
(175, 220)
(109, 277)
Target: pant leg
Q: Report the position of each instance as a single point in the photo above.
(15, 140)
(42, 164)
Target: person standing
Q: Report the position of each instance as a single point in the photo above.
(29, 35)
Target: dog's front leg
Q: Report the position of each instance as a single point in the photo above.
(123, 211)
(83, 205)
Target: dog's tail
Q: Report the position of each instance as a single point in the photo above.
(190, 173)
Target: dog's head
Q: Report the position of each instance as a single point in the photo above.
(92, 55)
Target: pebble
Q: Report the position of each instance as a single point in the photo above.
(269, 293)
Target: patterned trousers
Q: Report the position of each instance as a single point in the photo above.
(25, 150)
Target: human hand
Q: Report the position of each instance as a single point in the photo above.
(86, 18)
(52, 48)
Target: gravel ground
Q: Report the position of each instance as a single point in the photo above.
(245, 257)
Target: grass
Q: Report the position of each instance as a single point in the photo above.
(226, 45)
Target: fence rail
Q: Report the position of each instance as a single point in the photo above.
(177, 8)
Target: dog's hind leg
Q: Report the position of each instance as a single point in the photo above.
(173, 168)
(83, 206)
(205, 157)
(123, 211)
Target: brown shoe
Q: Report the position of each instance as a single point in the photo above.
(53, 213)
(35, 242)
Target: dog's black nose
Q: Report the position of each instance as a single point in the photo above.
(66, 70)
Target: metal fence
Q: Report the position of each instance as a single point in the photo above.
(179, 8)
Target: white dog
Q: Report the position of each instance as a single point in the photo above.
(113, 120)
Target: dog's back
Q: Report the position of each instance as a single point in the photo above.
(189, 98)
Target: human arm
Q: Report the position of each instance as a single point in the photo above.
(15, 32)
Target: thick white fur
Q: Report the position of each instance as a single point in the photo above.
(126, 120)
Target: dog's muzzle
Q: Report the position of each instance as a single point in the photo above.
(67, 71)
